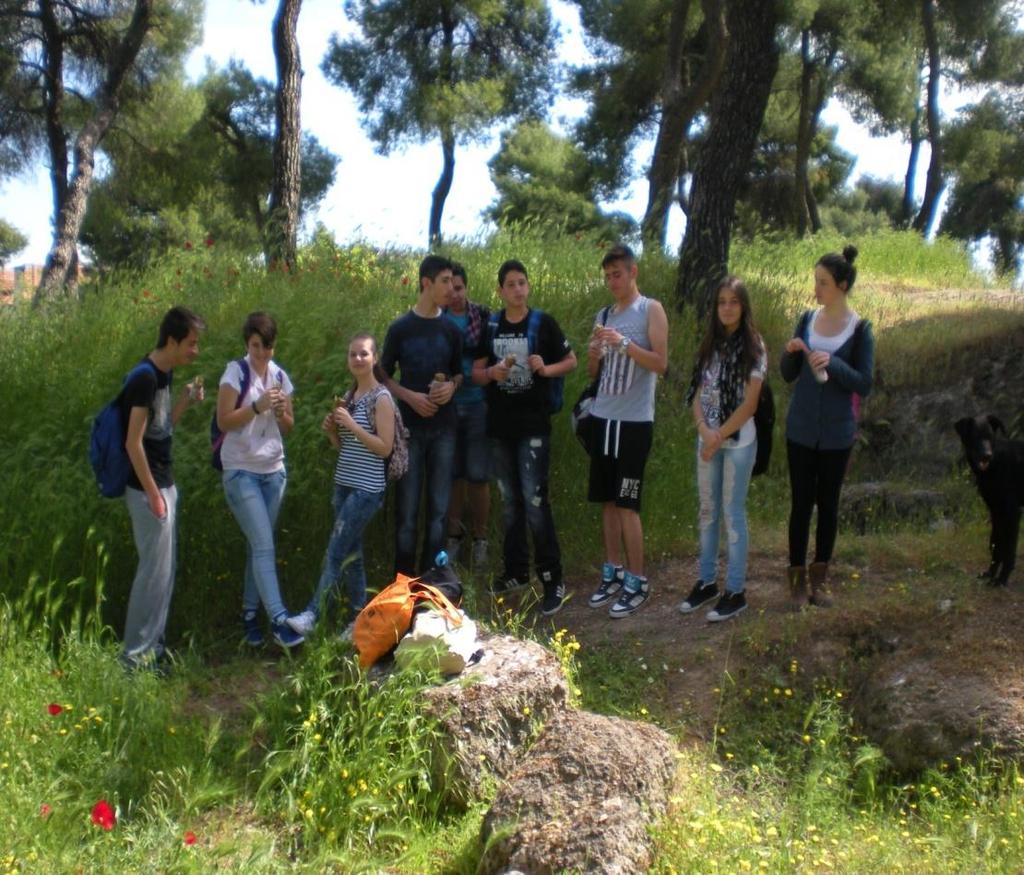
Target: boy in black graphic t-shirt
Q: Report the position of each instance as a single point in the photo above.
(524, 351)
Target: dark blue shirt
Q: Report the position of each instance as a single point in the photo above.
(821, 414)
(420, 348)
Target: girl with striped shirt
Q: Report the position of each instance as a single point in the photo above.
(362, 429)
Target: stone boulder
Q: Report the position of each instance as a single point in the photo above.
(582, 799)
(921, 716)
(868, 506)
(492, 712)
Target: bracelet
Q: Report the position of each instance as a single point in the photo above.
(255, 409)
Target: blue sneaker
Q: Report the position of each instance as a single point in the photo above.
(611, 583)
(635, 591)
(252, 629)
(284, 635)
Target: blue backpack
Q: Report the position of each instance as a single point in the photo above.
(216, 435)
(556, 385)
(107, 455)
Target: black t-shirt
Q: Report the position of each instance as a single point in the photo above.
(421, 348)
(151, 388)
(520, 407)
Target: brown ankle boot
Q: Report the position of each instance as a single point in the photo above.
(796, 576)
(818, 576)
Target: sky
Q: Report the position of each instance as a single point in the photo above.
(385, 200)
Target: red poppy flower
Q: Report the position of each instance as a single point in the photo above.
(54, 709)
(405, 280)
(103, 815)
(208, 241)
(188, 244)
(45, 810)
(190, 838)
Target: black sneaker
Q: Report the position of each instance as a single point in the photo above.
(702, 592)
(554, 598)
(635, 591)
(611, 583)
(504, 584)
(729, 605)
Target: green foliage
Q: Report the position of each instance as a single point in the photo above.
(986, 148)
(542, 177)
(419, 69)
(195, 162)
(12, 241)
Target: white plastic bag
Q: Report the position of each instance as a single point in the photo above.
(434, 642)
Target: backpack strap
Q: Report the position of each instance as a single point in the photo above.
(243, 384)
(533, 330)
(605, 313)
(147, 362)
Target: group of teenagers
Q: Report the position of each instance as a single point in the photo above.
(472, 390)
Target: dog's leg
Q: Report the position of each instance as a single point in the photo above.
(1008, 553)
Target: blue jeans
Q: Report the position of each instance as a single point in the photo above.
(353, 510)
(521, 468)
(431, 459)
(255, 499)
(722, 485)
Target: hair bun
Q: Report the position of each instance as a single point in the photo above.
(850, 253)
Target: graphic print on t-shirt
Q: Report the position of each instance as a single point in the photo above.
(159, 426)
(617, 373)
(520, 377)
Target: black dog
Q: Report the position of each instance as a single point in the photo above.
(998, 466)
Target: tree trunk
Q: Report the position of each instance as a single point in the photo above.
(446, 74)
(803, 135)
(56, 135)
(737, 110)
(63, 257)
(910, 180)
(933, 184)
(282, 229)
(679, 106)
(444, 185)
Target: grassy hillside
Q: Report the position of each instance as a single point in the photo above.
(239, 763)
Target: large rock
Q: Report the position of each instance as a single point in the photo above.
(492, 712)
(921, 716)
(582, 799)
(874, 505)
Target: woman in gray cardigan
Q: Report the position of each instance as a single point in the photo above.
(831, 357)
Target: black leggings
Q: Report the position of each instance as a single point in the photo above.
(815, 478)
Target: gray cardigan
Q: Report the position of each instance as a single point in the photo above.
(821, 414)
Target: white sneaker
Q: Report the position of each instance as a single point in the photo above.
(346, 633)
(303, 623)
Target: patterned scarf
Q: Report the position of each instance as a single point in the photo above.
(731, 376)
(476, 318)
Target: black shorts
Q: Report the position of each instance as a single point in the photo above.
(618, 460)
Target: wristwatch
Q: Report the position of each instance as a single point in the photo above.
(624, 344)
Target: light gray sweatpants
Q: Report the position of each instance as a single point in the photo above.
(157, 543)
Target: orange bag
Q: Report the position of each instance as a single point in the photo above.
(382, 623)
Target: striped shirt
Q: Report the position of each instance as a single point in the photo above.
(357, 467)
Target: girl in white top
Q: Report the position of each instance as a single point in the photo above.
(254, 411)
(362, 429)
(724, 390)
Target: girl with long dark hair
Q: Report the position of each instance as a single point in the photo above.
(724, 390)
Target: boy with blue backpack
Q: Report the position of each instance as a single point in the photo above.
(151, 496)
(527, 358)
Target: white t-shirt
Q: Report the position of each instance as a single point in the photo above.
(825, 343)
(257, 446)
(711, 400)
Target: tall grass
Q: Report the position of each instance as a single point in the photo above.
(62, 364)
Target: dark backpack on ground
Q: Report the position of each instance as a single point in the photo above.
(216, 435)
(107, 454)
(556, 385)
(582, 418)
